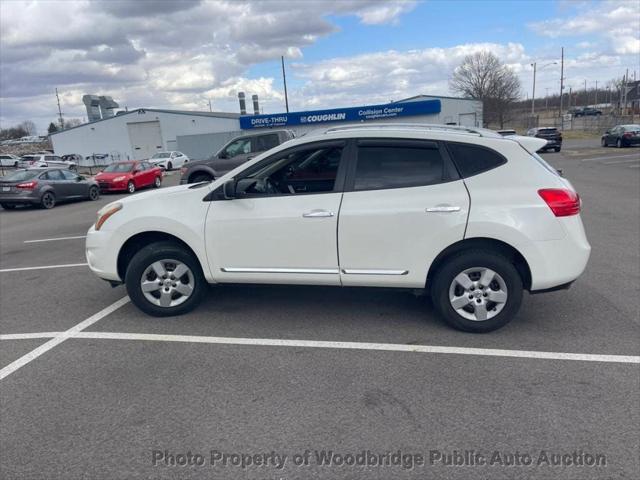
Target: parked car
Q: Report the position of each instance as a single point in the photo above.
(73, 158)
(551, 134)
(587, 112)
(621, 136)
(40, 160)
(380, 205)
(234, 153)
(168, 160)
(45, 187)
(129, 176)
(8, 160)
(504, 133)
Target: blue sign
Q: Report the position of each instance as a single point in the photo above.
(352, 114)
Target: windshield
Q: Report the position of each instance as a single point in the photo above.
(161, 155)
(631, 128)
(119, 167)
(20, 176)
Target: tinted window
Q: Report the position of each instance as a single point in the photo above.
(20, 176)
(266, 142)
(397, 166)
(238, 147)
(55, 175)
(68, 175)
(473, 159)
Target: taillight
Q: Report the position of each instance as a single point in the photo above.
(27, 185)
(627, 134)
(562, 202)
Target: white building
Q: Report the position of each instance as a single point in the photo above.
(138, 134)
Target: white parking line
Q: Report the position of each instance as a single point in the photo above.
(608, 157)
(58, 339)
(390, 347)
(29, 336)
(616, 162)
(55, 239)
(68, 265)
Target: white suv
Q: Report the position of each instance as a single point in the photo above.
(474, 217)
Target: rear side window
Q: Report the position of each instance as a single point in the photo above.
(474, 159)
(380, 167)
(266, 142)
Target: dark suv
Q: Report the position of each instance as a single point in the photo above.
(551, 134)
(233, 154)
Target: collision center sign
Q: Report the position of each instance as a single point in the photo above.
(353, 114)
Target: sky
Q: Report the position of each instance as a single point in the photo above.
(183, 54)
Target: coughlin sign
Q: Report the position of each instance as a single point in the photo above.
(373, 112)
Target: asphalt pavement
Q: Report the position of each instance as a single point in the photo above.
(263, 382)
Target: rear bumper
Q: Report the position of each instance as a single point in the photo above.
(20, 198)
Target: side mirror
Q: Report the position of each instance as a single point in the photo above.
(229, 189)
(607, 132)
(223, 155)
(79, 178)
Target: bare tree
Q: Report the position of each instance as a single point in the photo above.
(483, 77)
(29, 127)
(72, 122)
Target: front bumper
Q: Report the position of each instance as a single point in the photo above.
(112, 186)
(102, 260)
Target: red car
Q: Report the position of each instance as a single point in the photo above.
(129, 176)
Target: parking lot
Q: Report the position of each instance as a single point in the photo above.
(93, 388)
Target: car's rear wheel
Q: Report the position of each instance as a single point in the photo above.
(169, 166)
(48, 200)
(157, 182)
(200, 177)
(165, 279)
(94, 193)
(15, 164)
(131, 187)
(8, 206)
(477, 291)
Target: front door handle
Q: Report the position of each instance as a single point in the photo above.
(318, 214)
(443, 209)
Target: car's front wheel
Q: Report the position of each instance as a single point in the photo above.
(165, 279)
(169, 166)
(603, 142)
(157, 182)
(477, 291)
(94, 193)
(131, 187)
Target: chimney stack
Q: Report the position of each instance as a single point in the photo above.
(256, 107)
(243, 104)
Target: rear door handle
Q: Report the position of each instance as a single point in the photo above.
(443, 209)
(318, 214)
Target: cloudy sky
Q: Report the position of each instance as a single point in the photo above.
(181, 54)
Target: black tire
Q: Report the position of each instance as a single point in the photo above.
(15, 164)
(603, 142)
(153, 253)
(48, 200)
(557, 149)
(619, 143)
(157, 182)
(8, 206)
(200, 177)
(94, 193)
(169, 166)
(131, 187)
(458, 263)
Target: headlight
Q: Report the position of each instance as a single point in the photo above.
(119, 179)
(105, 212)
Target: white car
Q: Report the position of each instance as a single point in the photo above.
(41, 160)
(168, 160)
(8, 160)
(473, 217)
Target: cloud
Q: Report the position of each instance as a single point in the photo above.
(617, 21)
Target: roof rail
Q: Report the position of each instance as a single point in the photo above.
(481, 132)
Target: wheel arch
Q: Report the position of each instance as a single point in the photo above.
(491, 244)
(202, 169)
(140, 240)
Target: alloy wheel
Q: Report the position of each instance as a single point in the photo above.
(478, 294)
(48, 200)
(167, 283)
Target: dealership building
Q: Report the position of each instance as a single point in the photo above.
(138, 134)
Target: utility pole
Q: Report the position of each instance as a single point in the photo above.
(59, 111)
(284, 79)
(533, 92)
(586, 95)
(546, 98)
(596, 99)
(209, 104)
(561, 78)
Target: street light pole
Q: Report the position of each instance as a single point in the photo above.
(533, 93)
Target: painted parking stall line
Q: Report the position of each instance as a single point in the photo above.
(609, 157)
(43, 267)
(389, 347)
(57, 340)
(41, 240)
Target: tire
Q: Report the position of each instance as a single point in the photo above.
(603, 142)
(94, 193)
(169, 166)
(8, 206)
(200, 177)
(157, 182)
(141, 269)
(48, 200)
(619, 143)
(131, 187)
(15, 164)
(557, 149)
(470, 264)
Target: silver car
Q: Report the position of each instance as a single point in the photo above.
(45, 187)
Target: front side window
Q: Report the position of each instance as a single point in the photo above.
(380, 167)
(266, 142)
(474, 159)
(312, 170)
(239, 147)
